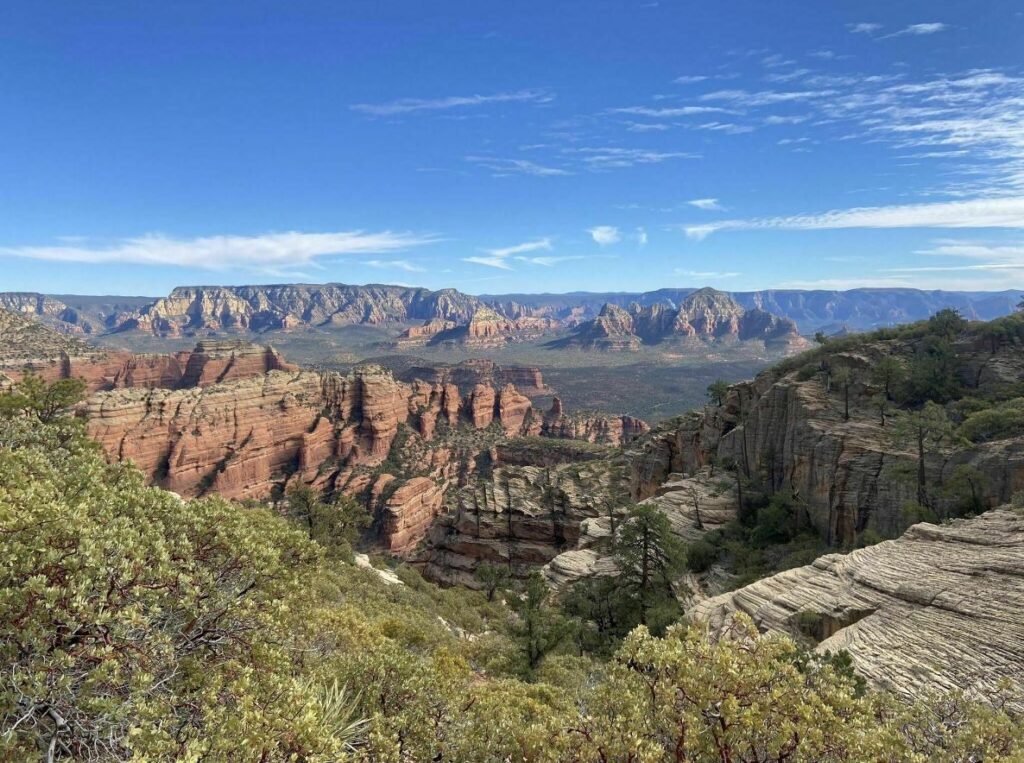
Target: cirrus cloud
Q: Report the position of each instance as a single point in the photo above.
(408, 105)
(976, 213)
(266, 253)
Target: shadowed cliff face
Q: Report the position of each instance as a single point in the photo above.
(787, 431)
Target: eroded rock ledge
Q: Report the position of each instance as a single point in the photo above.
(940, 608)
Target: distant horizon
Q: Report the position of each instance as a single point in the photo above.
(486, 295)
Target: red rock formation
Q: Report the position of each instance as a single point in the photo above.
(409, 512)
(515, 412)
(251, 437)
(480, 406)
(209, 363)
(592, 427)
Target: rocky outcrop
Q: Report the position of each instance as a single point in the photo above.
(936, 610)
(210, 362)
(25, 342)
(787, 431)
(409, 512)
(705, 315)
(194, 309)
(520, 517)
(528, 380)
(485, 329)
(251, 437)
(212, 309)
(592, 427)
(610, 331)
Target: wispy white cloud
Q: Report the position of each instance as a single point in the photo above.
(550, 261)
(748, 99)
(491, 262)
(605, 235)
(918, 30)
(409, 105)
(641, 236)
(598, 159)
(730, 128)
(977, 213)
(405, 265)
(689, 79)
(269, 253)
(864, 27)
(647, 126)
(528, 246)
(499, 257)
(669, 112)
(710, 205)
(504, 167)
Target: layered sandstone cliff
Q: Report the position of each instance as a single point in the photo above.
(788, 431)
(400, 446)
(938, 609)
(527, 379)
(210, 362)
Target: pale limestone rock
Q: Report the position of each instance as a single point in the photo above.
(940, 608)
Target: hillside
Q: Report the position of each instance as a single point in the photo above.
(25, 341)
(224, 631)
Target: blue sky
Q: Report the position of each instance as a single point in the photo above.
(512, 146)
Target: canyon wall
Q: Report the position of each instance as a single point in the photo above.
(400, 446)
(788, 431)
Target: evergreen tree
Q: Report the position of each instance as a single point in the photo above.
(33, 396)
(845, 378)
(649, 557)
(539, 628)
(717, 391)
(923, 430)
(888, 373)
(492, 577)
(334, 525)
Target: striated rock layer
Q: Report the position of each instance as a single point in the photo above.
(788, 431)
(210, 362)
(937, 609)
(400, 446)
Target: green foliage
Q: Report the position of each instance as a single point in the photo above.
(45, 401)
(717, 391)
(889, 374)
(934, 373)
(493, 577)
(649, 557)
(137, 626)
(132, 623)
(923, 431)
(995, 423)
(771, 539)
(540, 628)
(965, 490)
(335, 526)
(701, 555)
